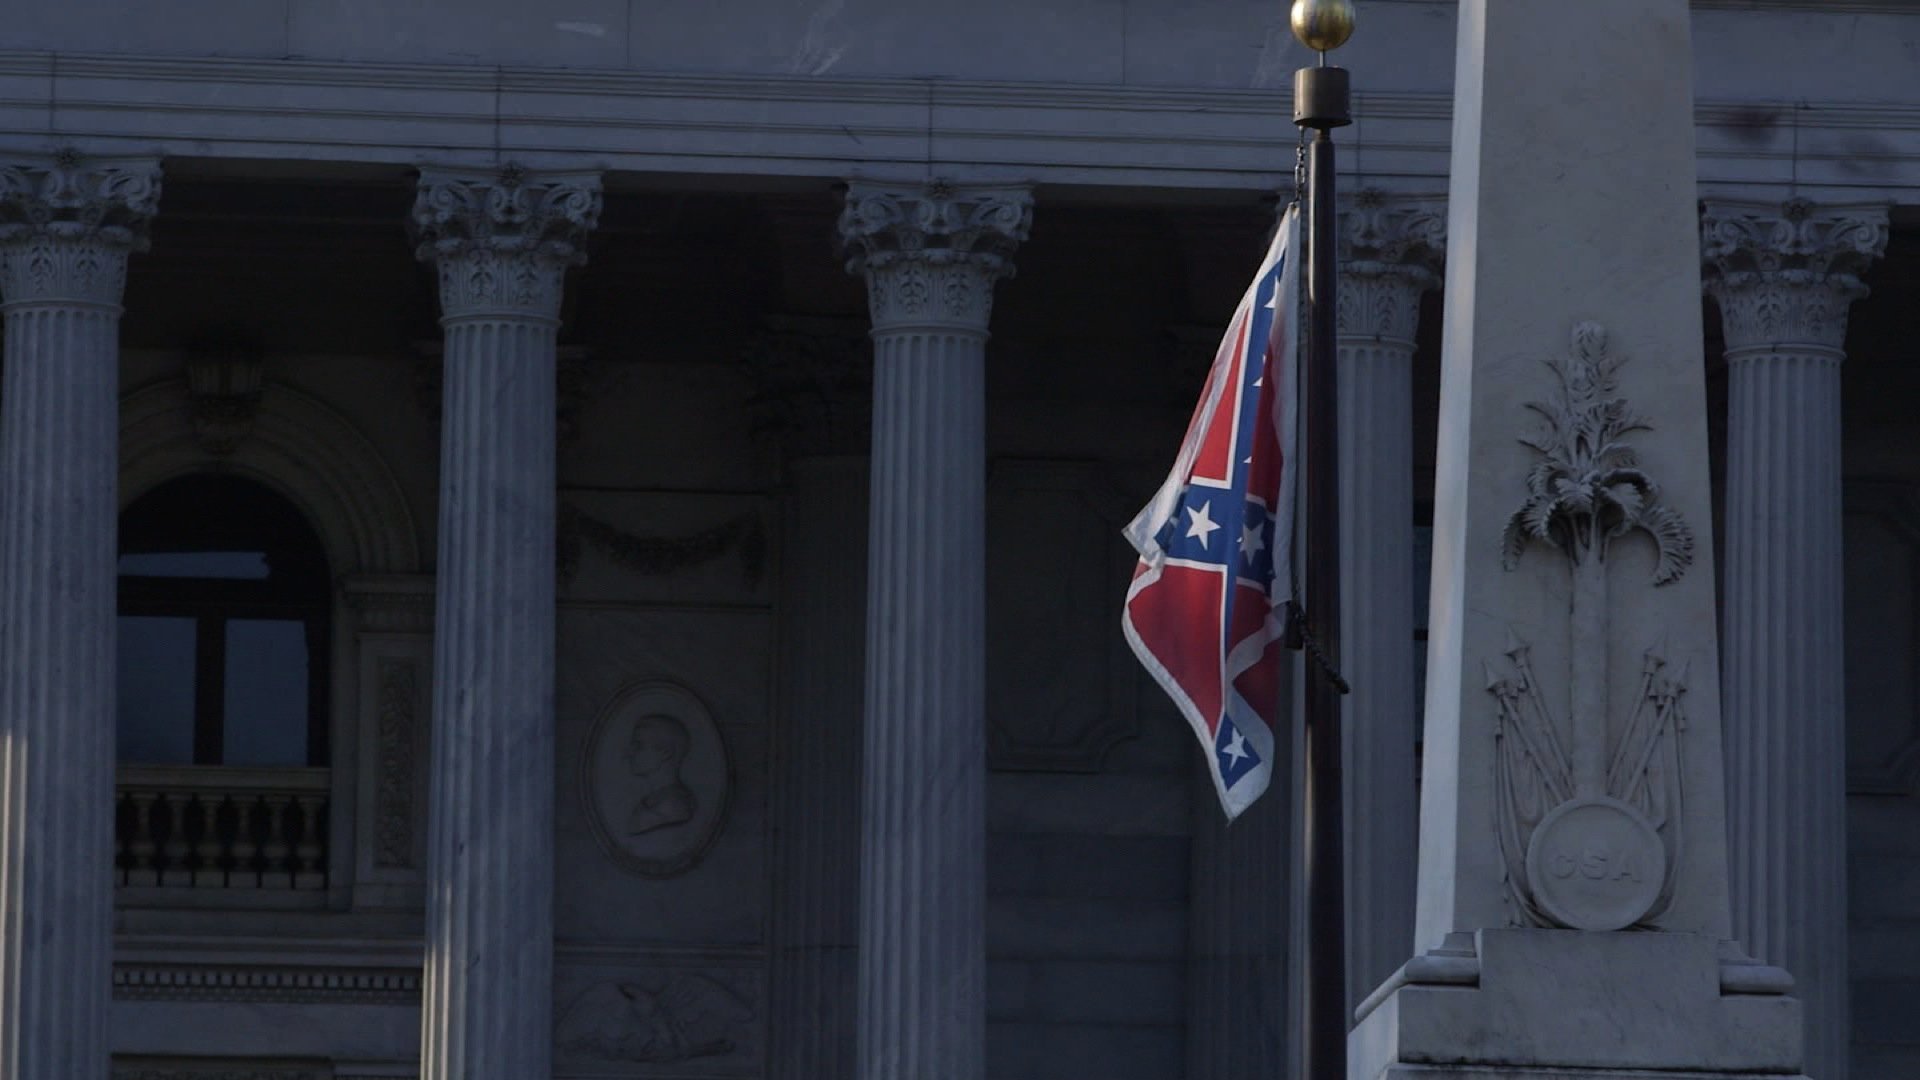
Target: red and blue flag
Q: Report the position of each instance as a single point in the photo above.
(1206, 610)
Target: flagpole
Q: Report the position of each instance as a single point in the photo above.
(1320, 104)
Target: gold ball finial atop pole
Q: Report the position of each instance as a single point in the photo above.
(1322, 25)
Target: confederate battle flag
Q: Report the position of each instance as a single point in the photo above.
(1206, 610)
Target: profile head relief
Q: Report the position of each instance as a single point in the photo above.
(658, 742)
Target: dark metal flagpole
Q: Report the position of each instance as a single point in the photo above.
(1320, 104)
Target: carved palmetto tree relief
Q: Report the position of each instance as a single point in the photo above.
(1587, 491)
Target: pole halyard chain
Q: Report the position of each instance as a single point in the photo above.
(1300, 178)
(1300, 630)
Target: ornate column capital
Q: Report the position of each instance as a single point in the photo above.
(1391, 248)
(1785, 273)
(67, 223)
(931, 253)
(503, 238)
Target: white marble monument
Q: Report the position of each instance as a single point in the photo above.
(1573, 904)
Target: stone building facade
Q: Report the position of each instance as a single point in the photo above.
(586, 474)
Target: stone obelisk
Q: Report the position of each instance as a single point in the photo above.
(1572, 910)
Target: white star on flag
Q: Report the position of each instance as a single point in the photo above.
(1202, 524)
(1251, 541)
(1236, 749)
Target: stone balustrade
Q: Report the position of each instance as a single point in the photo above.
(218, 827)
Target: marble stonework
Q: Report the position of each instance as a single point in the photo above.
(501, 243)
(931, 256)
(67, 226)
(1784, 277)
(1573, 893)
(716, 401)
(655, 778)
(1391, 251)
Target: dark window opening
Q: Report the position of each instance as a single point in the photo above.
(223, 628)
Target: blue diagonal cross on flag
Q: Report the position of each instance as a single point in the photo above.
(1206, 609)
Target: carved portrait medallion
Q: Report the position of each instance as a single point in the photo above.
(655, 778)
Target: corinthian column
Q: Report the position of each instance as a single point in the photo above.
(931, 256)
(66, 226)
(1783, 277)
(502, 242)
(1390, 252)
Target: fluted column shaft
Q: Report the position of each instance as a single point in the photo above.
(1783, 278)
(1390, 250)
(501, 244)
(66, 228)
(1239, 934)
(930, 257)
(810, 1025)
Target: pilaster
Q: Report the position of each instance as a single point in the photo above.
(1784, 276)
(930, 256)
(502, 242)
(67, 224)
(810, 407)
(1390, 253)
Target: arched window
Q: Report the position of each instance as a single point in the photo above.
(223, 628)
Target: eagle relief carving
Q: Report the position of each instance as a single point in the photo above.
(1590, 827)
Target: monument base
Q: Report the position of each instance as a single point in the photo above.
(1574, 1005)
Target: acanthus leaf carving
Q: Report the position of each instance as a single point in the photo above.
(502, 240)
(932, 253)
(67, 223)
(1785, 273)
(1390, 249)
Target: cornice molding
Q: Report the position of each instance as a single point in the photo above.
(827, 127)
